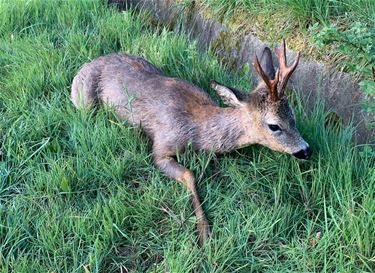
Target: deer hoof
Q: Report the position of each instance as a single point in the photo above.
(204, 231)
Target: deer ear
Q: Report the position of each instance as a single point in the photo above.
(267, 63)
(230, 96)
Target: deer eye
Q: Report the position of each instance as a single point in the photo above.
(274, 127)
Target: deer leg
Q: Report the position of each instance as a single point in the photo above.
(178, 172)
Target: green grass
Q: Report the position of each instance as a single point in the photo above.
(79, 192)
(302, 11)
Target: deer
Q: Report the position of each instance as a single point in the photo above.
(174, 113)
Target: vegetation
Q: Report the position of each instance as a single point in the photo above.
(79, 192)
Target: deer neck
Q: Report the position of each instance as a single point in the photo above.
(225, 129)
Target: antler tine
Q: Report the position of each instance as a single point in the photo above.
(285, 71)
(271, 84)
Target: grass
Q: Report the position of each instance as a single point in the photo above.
(79, 192)
(303, 12)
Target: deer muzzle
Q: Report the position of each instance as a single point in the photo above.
(303, 154)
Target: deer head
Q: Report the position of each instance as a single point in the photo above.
(266, 114)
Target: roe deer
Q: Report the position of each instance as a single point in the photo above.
(173, 112)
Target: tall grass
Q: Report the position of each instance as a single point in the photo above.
(303, 11)
(79, 192)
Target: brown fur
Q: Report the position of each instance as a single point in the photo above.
(174, 113)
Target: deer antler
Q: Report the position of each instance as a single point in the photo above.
(271, 84)
(285, 71)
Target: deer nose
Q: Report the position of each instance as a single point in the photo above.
(303, 154)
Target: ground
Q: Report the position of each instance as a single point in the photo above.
(79, 191)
